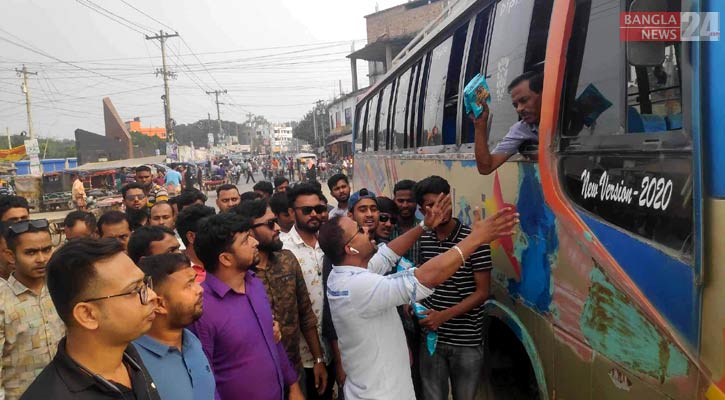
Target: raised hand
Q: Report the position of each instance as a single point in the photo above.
(439, 212)
(498, 225)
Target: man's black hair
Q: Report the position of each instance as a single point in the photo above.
(226, 186)
(216, 235)
(301, 189)
(247, 196)
(278, 203)
(139, 244)
(432, 184)
(137, 218)
(160, 266)
(83, 216)
(189, 197)
(11, 201)
(332, 240)
(12, 239)
(336, 178)
(111, 218)
(317, 185)
(251, 209)
(405, 184)
(143, 168)
(129, 186)
(535, 78)
(188, 219)
(264, 186)
(280, 180)
(323, 198)
(71, 271)
(386, 205)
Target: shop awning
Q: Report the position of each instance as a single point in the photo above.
(129, 163)
(346, 138)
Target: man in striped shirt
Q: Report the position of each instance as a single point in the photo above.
(454, 310)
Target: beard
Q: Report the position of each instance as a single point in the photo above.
(181, 316)
(342, 197)
(271, 246)
(310, 229)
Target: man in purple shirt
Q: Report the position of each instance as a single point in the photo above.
(236, 328)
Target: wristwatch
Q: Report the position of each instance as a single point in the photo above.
(319, 360)
(425, 227)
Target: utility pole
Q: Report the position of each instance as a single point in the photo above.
(7, 132)
(161, 37)
(251, 132)
(216, 93)
(26, 89)
(314, 126)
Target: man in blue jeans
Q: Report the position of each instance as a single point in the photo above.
(454, 309)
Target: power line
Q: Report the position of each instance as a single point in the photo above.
(115, 17)
(150, 17)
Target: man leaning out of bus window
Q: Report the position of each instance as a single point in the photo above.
(525, 93)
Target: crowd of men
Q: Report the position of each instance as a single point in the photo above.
(277, 295)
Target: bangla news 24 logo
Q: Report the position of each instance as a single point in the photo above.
(669, 26)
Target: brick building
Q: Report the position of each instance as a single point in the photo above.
(389, 31)
(135, 126)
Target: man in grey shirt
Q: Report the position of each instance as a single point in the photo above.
(526, 98)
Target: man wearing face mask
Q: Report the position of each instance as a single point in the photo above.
(282, 277)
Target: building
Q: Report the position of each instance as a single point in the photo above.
(341, 111)
(281, 139)
(135, 126)
(389, 31)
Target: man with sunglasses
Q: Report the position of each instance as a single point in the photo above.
(236, 329)
(12, 209)
(387, 219)
(106, 302)
(29, 325)
(286, 288)
(134, 196)
(305, 202)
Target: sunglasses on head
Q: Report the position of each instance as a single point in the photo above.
(385, 218)
(307, 210)
(23, 226)
(135, 196)
(269, 223)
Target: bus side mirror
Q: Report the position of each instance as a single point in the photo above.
(646, 54)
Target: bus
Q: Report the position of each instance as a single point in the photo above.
(613, 286)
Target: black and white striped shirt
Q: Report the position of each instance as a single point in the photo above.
(465, 329)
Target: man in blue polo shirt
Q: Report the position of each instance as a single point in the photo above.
(172, 354)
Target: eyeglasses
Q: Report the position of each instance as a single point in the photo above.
(307, 210)
(269, 223)
(23, 226)
(385, 218)
(135, 196)
(143, 292)
(360, 229)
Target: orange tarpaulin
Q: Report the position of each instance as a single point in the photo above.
(14, 154)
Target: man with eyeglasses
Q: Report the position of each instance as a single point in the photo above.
(134, 196)
(305, 202)
(363, 300)
(29, 325)
(172, 354)
(12, 209)
(286, 288)
(154, 192)
(106, 302)
(236, 329)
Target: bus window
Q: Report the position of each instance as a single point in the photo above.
(414, 109)
(398, 120)
(441, 93)
(362, 117)
(383, 119)
(505, 61)
(621, 175)
(371, 123)
(475, 59)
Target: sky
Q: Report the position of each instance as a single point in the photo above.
(275, 58)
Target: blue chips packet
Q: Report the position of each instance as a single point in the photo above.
(475, 89)
(431, 337)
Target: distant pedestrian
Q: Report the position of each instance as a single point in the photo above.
(250, 171)
(78, 193)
